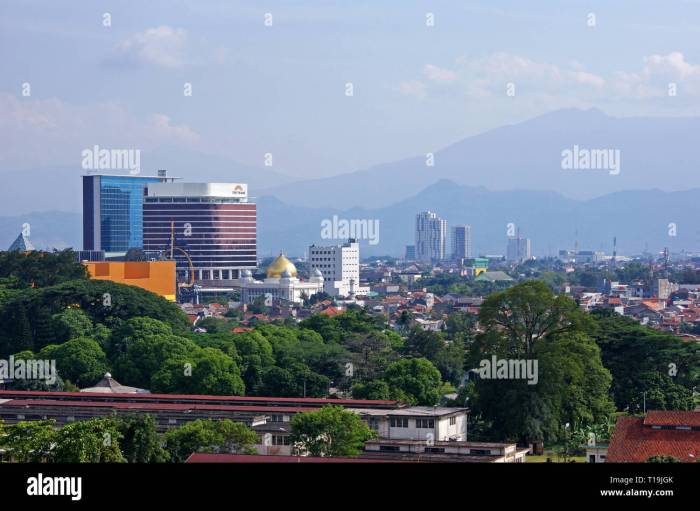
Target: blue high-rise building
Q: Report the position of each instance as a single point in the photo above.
(113, 210)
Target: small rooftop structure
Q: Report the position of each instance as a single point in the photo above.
(494, 276)
(21, 244)
(111, 386)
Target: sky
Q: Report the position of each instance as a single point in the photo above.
(270, 81)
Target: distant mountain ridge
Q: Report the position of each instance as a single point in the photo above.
(655, 152)
(639, 219)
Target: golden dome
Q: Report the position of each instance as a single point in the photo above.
(279, 266)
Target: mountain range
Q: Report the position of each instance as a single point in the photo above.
(512, 174)
(654, 152)
(640, 220)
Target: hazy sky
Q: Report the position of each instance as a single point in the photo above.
(281, 89)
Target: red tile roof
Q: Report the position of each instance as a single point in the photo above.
(147, 397)
(260, 458)
(633, 442)
(331, 311)
(672, 418)
(151, 406)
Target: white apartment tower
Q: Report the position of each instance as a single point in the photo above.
(431, 234)
(340, 267)
(519, 249)
(461, 242)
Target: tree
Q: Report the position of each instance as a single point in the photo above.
(29, 442)
(448, 357)
(572, 387)
(88, 441)
(258, 306)
(140, 442)
(104, 302)
(203, 371)
(528, 312)
(642, 360)
(37, 384)
(256, 356)
(295, 381)
(375, 389)
(416, 381)
(134, 329)
(214, 325)
(71, 323)
(529, 324)
(330, 431)
(80, 360)
(209, 436)
(41, 269)
(663, 459)
(145, 357)
(459, 324)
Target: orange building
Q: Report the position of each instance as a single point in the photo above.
(155, 276)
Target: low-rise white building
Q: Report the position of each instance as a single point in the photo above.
(281, 283)
(441, 451)
(340, 267)
(431, 423)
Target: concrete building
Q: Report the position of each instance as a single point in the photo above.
(281, 283)
(269, 417)
(417, 423)
(461, 242)
(663, 288)
(340, 267)
(410, 254)
(215, 224)
(443, 451)
(519, 249)
(155, 276)
(431, 234)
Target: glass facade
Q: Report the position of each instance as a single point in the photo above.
(119, 200)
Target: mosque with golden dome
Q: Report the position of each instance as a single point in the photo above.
(281, 283)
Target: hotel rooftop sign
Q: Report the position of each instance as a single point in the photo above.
(236, 190)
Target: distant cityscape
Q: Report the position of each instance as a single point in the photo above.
(238, 236)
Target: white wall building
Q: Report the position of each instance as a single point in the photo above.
(417, 422)
(431, 234)
(340, 267)
(281, 282)
(519, 249)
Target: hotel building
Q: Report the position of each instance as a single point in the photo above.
(214, 223)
